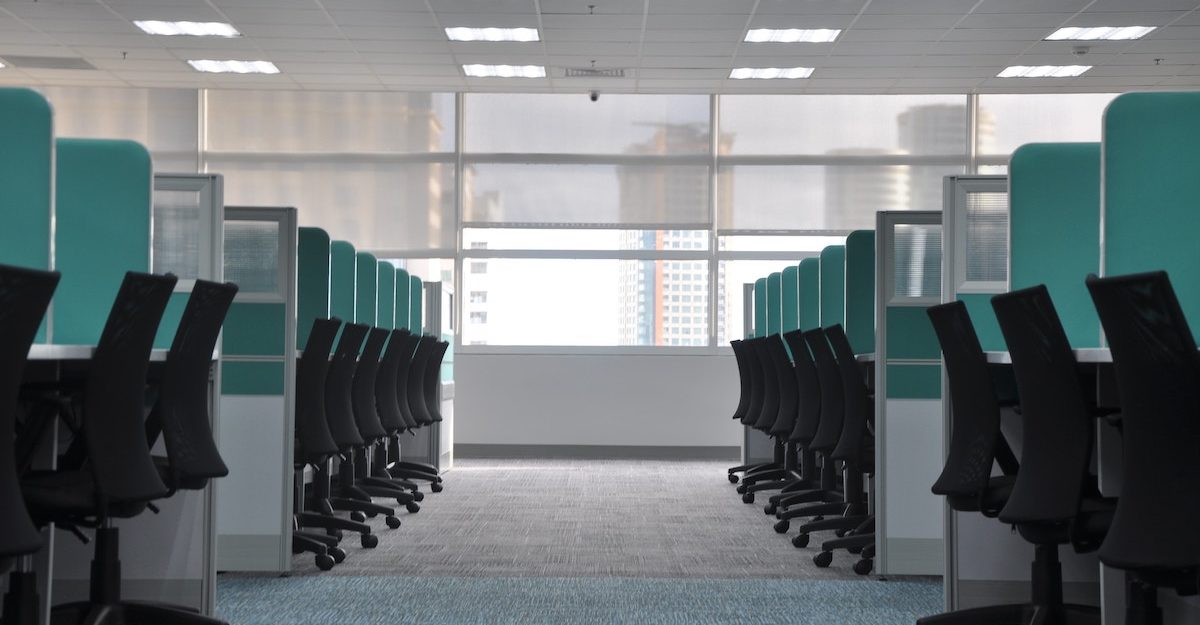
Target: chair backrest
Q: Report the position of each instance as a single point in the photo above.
(739, 355)
(757, 388)
(433, 379)
(366, 409)
(1057, 425)
(312, 429)
(114, 418)
(416, 381)
(408, 351)
(785, 418)
(182, 410)
(808, 410)
(974, 410)
(833, 402)
(1158, 380)
(857, 406)
(386, 393)
(770, 403)
(24, 296)
(339, 387)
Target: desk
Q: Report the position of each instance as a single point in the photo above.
(60, 353)
(1087, 355)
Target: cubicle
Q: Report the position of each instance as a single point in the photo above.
(860, 291)
(809, 275)
(832, 268)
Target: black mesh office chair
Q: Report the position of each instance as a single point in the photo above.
(767, 415)
(24, 296)
(432, 381)
(409, 375)
(783, 424)
(808, 418)
(413, 386)
(399, 351)
(1153, 535)
(754, 409)
(739, 413)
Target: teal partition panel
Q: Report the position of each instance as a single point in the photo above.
(760, 307)
(403, 298)
(367, 289)
(102, 230)
(860, 290)
(26, 177)
(1151, 157)
(1054, 228)
(416, 304)
(342, 279)
(979, 306)
(385, 308)
(833, 285)
(774, 302)
(312, 281)
(810, 293)
(790, 295)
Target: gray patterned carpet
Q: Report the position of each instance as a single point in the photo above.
(587, 541)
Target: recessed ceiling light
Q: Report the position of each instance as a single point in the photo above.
(195, 29)
(1100, 33)
(1043, 71)
(235, 67)
(792, 35)
(463, 33)
(2, 66)
(766, 73)
(505, 71)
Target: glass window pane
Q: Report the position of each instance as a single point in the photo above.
(583, 239)
(603, 195)
(377, 205)
(1008, 121)
(570, 123)
(784, 243)
(844, 125)
(987, 237)
(329, 121)
(176, 234)
(252, 256)
(918, 261)
(834, 197)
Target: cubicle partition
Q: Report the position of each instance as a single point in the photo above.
(908, 410)
(756, 447)
(403, 299)
(810, 293)
(26, 180)
(186, 238)
(343, 278)
(366, 296)
(790, 299)
(860, 291)
(254, 504)
(833, 285)
(416, 307)
(385, 298)
(774, 303)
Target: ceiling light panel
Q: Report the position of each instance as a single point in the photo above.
(792, 35)
(234, 67)
(194, 29)
(1043, 71)
(505, 71)
(770, 73)
(463, 33)
(1100, 33)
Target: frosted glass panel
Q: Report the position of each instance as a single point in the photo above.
(987, 237)
(918, 261)
(252, 256)
(177, 230)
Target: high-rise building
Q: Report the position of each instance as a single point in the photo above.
(854, 193)
(937, 130)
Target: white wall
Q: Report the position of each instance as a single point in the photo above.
(596, 399)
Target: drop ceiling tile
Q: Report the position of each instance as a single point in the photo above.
(943, 85)
(192, 13)
(481, 59)
(908, 7)
(838, 83)
(36, 50)
(585, 61)
(500, 20)
(128, 66)
(801, 21)
(276, 44)
(1048, 21)
(809, 50)
(114, 26)
(257, 15)
(1178, 58)
(311, 68)
(1146, 5)
(625, 35)
(655, 73)
(870, 61)
(855, 35)
(289, 5)
(880, 48)
(479, 6)
(592, 21)
(955, 48)
(996, 34)
(966, 60)
(1133, 70)
(398, 6)
(1032, 6)
(414, 83)
(25, 37)
(830, 7)
(1165, 46)
(1125, 18)
(514, 48)
(716, 48)
(393, 33)
(1191, 82)
(695, 35)
(105, 52)
(680, 83)
(713, 22)
(382, 69)
(699, 62)
(906, 21)
(708, 7)
(307, 31)
(57, 10)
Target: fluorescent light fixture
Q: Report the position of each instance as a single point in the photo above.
(234, 67)
(2, 66)
(463, 33)
(768, 73)
(505, 71)
(792, 35)
(1043, 71)
(1100, 33)
(195, 29)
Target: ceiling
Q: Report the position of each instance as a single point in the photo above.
(665, 46)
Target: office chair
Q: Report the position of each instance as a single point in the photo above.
(388, 397)
(739, 413)
(1153, 534)
(783, 424)
(316, 447)
(413, 402)
(24, 297)
(808, 417)
(754, 410)
(768, 413)
(432, 381)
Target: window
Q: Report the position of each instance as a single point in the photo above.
(478, 318)
(479, 297)
(479, 266)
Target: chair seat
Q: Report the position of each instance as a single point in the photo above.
(188, 482)
(56, 495)
(994, 496)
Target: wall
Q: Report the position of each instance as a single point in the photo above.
(597, 399)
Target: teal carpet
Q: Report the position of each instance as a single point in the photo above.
(353, 600)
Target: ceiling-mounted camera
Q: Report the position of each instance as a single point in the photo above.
(593, 95)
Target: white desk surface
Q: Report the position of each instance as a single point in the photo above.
(42, 351)
(1087, 354)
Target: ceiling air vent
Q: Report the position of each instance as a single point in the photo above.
(47, 62)
(593, 72)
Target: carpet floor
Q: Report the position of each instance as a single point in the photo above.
(577, 541)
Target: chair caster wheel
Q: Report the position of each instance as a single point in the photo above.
(748, 498)
(336, 534)
(800, 541)
(418, 495)
(781, 527)
(823, 559)
(369, 541)
(840, 533)
(338, 554)
(296, 551)
(818, 518)
(770, 509)
(436, 486)
(863, 567)
(325, 562)
(371, 515)
(358, 517)
(393, 522)
(412, 507)
(855, 550)
(741, 489)
(733, 479)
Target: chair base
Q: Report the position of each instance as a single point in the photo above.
(21, 601)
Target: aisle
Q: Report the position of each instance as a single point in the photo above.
(588, 541)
